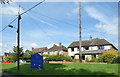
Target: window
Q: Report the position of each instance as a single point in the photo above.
(53, 52)
(59, 52)
(48, 52)
(72, 49)
(86, 48)
(100, 47)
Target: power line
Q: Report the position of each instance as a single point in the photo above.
(60, 21)
(32, 7)
(53, 18)
(3, 29)
(22, 14)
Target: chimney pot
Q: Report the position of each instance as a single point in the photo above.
(90, 37)
(60, 44)
(32, 48)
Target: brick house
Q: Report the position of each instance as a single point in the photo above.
(90, 47)
(56, 50)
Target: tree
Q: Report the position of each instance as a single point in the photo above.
(31, 53)
(108, 56)
(15, 49)
(5, 1)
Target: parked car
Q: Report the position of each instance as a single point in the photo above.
(45, 61)
(6, 62)
(21, 61)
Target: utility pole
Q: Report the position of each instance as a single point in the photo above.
(18, 31)
(80, 53)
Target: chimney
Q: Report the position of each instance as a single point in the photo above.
(54, 45)
(32, 48)
(90, 37)
(60, 44)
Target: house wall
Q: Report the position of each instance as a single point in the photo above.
(51, 53)
(76, 57)
(107, 47)
(45, 53)
(88, 56)
(93, 48)
(76, 50)
(65, 53)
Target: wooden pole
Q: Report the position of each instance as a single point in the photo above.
(18, 47)
(80, 53)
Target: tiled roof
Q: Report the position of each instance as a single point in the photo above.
(93, 42)
(56, 48)
(41, 50)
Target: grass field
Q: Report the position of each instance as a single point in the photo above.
(63, 69)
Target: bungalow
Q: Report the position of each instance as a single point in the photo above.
(56, 50)
(39, 50)
(90, 47)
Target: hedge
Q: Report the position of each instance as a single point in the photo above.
(58, 58)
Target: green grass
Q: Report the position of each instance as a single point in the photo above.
(63, 69)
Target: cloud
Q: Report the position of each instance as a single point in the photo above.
(42, 21)
(29, 44)
(0, 44)
(34, 45)
(75, 10)
(10, 11)
(107, 25)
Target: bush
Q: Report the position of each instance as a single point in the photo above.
(9, 58)
(116, 60)
(99, 59)
(109, 56)
(87, 60)
(26, 57)
(58, 58)
(14, 57)
(92, 59)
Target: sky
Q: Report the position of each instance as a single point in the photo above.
(58, 22)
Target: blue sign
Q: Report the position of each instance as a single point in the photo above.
(36, 61)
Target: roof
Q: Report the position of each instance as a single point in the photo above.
(8, 54)
(92, 52)
(56, 48)
(41, 50)
(94, 42)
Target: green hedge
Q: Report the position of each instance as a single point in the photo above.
(58, 58)
(116, 60)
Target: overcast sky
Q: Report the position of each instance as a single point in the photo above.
(54, 22)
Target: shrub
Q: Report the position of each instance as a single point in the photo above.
(116, 60)
(92, 59)
(9, 58)
(14, 57)
(26, 57)
(99, 59)
(87, 60)
(58, 58)
(109, 56)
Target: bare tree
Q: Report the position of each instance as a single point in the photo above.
(5, 1)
